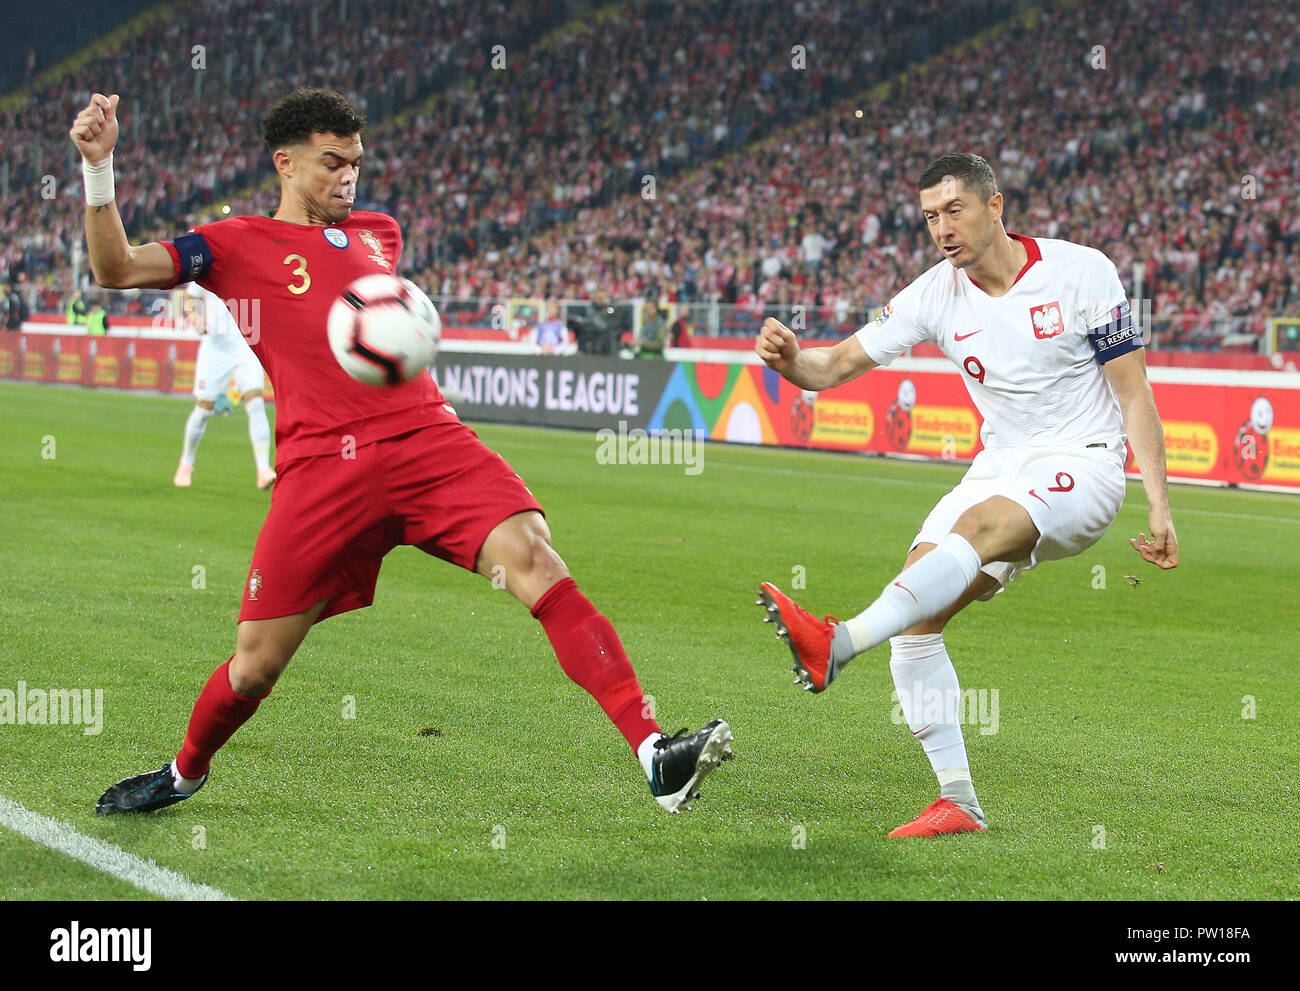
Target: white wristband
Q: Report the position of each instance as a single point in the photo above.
(99, 181)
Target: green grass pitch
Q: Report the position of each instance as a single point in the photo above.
(1144, 746)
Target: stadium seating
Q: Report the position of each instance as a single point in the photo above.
(768, 191)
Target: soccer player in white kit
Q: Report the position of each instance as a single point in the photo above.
(223, 354)
(1042, 333)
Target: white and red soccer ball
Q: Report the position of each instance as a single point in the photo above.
(384, 330)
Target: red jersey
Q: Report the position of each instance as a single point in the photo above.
(279, 281)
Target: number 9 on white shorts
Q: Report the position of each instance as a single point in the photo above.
(1071, 494)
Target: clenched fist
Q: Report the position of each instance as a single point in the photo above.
(94, 131)
(776, 345)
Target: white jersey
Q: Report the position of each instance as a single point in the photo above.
(1031, 358)
(223, 352)
(220, 331)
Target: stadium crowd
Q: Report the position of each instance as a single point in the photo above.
(1178, 157)
(194, 87)
(766, 190)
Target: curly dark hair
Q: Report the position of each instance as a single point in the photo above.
(305, 112)
(970, 170)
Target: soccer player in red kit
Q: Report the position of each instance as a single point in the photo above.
(360, 469)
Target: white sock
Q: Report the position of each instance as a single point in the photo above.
(182, 784)
(259, 431)
(645, 753)
(921, 592)
(194, 427)
(928, 693)
(930, 697)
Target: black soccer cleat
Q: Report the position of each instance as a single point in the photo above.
(143, 793)
(681, 762)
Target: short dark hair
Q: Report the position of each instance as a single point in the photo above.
(970, 170)
(305, 112)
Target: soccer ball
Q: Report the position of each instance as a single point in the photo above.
(384, 330)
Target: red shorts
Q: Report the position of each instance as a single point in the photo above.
(333, 519)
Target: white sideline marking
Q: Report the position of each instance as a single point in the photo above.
(105, 857)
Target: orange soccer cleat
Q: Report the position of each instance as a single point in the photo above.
(940, 817)
(809, 638)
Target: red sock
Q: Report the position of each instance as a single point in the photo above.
(217, 714)
(592, 655)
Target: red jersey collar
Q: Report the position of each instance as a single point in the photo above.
(1031, 250)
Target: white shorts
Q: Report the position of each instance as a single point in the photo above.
(217, 363)
(1071, 494)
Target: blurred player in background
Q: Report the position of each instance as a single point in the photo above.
(361, 469)
(1042, 333)
(223, 354)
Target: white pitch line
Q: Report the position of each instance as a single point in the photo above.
(1236, 516)
(843, 476)
(105, 857)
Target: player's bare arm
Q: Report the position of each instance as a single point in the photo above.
(113, 260)
(813, 369)
(1128, 377)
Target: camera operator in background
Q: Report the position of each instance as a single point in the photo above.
(598, 330)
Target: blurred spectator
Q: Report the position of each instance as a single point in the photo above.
(653, 335)
(681, 332)
(97, 320)
(76, 309)
(551, 335)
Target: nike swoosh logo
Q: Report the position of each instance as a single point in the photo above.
(279, 240)
(962, 337)
(1039, 498)
(918, 732)
(908, 591)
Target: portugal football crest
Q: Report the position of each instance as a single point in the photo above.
(376, 247)
(254, 584)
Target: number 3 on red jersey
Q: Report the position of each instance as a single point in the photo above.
(301, 272)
